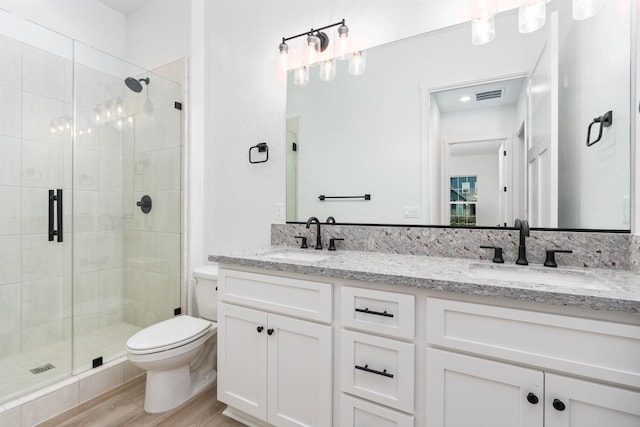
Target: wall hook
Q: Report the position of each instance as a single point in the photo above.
(262, 148)
(605, 121)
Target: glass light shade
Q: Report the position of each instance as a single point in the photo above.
(583, 9)
(357, 63)
(312, 48)
(483, 30)
(301, 76)
(284, 55)
(342, 42)
(532, 16)
(328, 70)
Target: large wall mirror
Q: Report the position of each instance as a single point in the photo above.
(439, 131)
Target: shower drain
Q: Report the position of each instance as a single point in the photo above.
(41, 369)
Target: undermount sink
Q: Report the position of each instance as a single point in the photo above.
(299, 256)
(537, 276)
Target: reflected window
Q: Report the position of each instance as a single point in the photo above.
(463, 198)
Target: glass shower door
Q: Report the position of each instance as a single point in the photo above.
(35, 226)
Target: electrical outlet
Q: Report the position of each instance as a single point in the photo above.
(278, 211)
(411, 212)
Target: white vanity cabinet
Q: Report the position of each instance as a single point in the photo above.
(465, 389)
(377, 358)
(274, 369)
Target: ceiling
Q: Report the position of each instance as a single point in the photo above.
(449, 100)
(126, 7)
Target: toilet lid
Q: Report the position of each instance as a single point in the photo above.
(168, 334)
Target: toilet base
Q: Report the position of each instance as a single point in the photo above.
(179, 381)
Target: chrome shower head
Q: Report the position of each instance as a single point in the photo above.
(134, 84)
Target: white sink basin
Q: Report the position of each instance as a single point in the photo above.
(299, 256)
(537, 276)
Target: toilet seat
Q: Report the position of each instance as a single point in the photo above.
(168, 334)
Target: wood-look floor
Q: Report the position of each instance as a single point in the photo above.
(123, 406)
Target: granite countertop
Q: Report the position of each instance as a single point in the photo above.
(591, 288)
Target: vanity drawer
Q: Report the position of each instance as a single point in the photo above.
(593, 348)
(378, 369)
(300, 298)
(359, 413)
(386, 313)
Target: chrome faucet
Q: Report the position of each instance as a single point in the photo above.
(318, 239)
(523, 226)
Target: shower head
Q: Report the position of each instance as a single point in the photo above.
(134, 84)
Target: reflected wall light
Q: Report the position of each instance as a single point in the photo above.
(301, 76)
(357, 63)
(583, 9)
(483, 23)
(532, 15)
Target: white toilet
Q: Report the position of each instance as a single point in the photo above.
(178, 354)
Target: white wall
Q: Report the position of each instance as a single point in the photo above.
(159, 33)
(594, 187)
(88, 21)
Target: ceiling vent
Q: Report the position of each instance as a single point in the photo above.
(490, 94)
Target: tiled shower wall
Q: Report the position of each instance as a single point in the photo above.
(152, 243)
(98, 232)
(34, 273)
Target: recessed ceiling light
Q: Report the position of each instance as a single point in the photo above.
(465, 99)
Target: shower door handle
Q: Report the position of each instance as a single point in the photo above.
(57, 199)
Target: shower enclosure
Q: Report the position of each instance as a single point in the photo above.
(82, 267)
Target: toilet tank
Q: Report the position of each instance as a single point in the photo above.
(206, 290)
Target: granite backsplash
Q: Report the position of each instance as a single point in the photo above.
(590, 249)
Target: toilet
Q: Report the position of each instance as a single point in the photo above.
(178, 354)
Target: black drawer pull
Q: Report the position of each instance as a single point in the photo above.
(373, 371)
(377, 313)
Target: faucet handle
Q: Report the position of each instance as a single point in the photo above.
(304, 242)
(332, 243)
(497, 253)
(550, 261)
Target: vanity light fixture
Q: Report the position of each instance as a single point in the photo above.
(583, 9)
(532, 15)
(316, 42)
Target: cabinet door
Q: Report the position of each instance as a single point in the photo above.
(465, 391)
(299, 372)
(242, 359)
(576, 403)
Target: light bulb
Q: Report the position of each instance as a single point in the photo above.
(342, 43)
(312, 48)
(357, 63)
(532, 16)
(328, 70)
(301, 76)
(89, 130)
(483, 30)
(284, 55)
(583, 9)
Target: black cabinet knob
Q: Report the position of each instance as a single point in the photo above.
(532, 398)
(558, 405)
(269, 331)
(260, 329)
